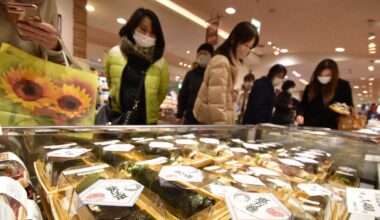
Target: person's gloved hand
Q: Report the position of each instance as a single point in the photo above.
(41, 33)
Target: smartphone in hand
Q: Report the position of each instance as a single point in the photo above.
(23, 13)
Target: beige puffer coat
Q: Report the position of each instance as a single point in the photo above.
(214, 104)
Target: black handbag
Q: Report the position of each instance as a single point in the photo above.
(106, 116)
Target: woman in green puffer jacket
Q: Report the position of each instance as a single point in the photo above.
(136, 63)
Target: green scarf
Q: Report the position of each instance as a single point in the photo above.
(128, 47)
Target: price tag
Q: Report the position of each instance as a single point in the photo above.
(247, 179)
(314, 189)
(60, 146)
(243, 206)
(181, 173)
(85, 169)
(162, 145)
(363, 201)
(221, 191)
(372, 158)
(155, 161)
(107, 142)
(113, 192)
(258, 171)
(68, 153)
(119, 148)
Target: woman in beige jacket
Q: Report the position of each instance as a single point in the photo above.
(214, 103)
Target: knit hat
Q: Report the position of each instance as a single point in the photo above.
(208, 47)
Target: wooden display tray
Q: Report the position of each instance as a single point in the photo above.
(228, 156)
(46, 189)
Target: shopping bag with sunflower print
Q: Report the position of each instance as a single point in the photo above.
(34, 91)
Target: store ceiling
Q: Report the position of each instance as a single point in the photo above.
(310, 30)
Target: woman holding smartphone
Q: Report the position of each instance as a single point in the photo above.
(42, 36)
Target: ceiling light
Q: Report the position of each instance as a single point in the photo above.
(189, 66)
(188, 51)
(372, 52)
(296, 74)
(303, 81)
(121, 21)
(362, 78)
(284, 50)
(376, 61)
(182, 11)
(371, 68)
(274, 47)
(180, 63)
(371, 79)
(257, 24)
(90, 8)
(278, 49)
(230, 10)
(359, 94)
(359, 105)
(276, 52)
(371, 36)
(286, 77)
(372, 49)
(370, 84)
(365, 92)
(269, 43)
(99, 60)
(340, 49)
(356, 87)
(371, 45)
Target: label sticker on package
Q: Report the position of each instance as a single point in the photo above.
(113, 192)
(258, 171)
(181, 173)
(372, 158)
(166, 137)
(291, 162)
(189, 136)
(221, 191)
(306, 160)
(211, 168)
(280, 183)
(60, 146)
(13, 189)
(238, 150)
(6, 212)
(314, 189)
(162, 145)
(68, 153)
(107, 142)
(119, 147)
(155, 161)
(34, 212)
(247, 179)
(363, 201)
(85, 169)
(245, 206)
(252, 146)
(186, 142)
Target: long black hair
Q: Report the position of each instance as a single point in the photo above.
(129, 28)
(242, 33)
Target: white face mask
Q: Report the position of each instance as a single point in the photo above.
(203, 60)
(291, 90)
(324, 79)
(277, 81)
(144, 40)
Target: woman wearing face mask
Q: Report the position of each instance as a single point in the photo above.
(324, 89)
(214, 104)
(191, 85)
(136, 71)
(261, 100)
(284, 113)
(43, 38)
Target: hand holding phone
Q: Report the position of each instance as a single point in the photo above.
(30, 26)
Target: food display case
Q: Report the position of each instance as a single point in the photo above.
(192, 172)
